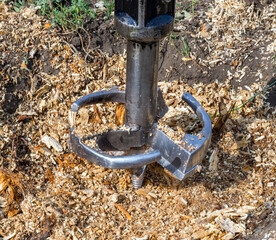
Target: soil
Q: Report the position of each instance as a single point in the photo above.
(103, 35)
(266, 229)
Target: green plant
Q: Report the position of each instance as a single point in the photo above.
(109, 5)
(192, 5)
(71, 16)
(185, 49)
(26, 60)
(233, 109)
(19, 5)
(44, 6)
(6, 1)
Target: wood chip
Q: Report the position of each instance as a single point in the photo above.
(123, 211)
(50, 142)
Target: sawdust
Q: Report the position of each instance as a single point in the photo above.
(64, 197)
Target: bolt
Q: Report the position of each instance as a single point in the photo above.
(138, 177)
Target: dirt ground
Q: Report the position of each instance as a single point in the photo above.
(246, 58)
(247, 54)
(48, 192)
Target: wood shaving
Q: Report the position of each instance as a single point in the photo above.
(66, 197)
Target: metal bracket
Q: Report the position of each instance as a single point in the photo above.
(180, 160)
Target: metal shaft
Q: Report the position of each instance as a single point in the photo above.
(143, 23)
(141, 83)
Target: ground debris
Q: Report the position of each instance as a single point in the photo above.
(50, 142)
(79, 200)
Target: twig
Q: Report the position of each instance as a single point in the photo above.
(14, 147)
(72, 47)
(89, 40)
(88, 53)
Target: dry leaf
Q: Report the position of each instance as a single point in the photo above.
(12, 179)
(13, 212)
(10, 184)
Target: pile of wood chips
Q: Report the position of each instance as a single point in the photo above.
(50, 192)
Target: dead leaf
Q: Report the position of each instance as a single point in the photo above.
(13, 212)
(43, 90)
(7, 175)
(10, 184)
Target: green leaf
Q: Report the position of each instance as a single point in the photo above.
(17, 9)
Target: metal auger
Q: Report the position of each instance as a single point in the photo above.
(143, 23)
